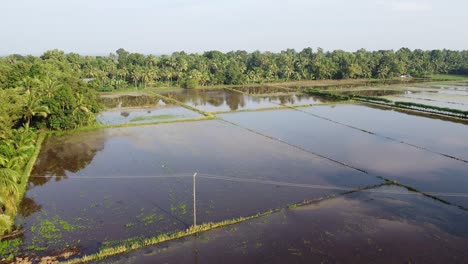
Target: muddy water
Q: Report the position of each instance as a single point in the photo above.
(437, 135)
(114, 184)
(355, 228)
(420, 169)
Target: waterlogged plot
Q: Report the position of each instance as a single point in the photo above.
(294, 99)
(134, 109)
(418, 168)
(130, 100)
(91, 188)
(451, 95)
(261, 90)
(282, 96)
(145, 115)
(447, 136)
(355, 228)
(434, 99)
(218, 100)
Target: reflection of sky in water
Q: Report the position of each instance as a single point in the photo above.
(417, 168)
(130, 155)
(437, 135)
(353, 228)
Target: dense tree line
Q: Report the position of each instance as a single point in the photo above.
(124, 69)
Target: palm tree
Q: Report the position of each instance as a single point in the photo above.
(33, 108)
(82, 107)
(49, 87)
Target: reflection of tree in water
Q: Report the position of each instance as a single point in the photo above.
(287, 99)
(130, 101)
(263, 89)
(67, 153)
(235, 100)
(28, 207)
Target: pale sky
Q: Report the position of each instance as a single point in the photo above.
(98, 27)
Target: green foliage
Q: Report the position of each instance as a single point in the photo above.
(190, 83)
(15, 153)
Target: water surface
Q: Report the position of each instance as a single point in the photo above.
(444, 136)
(417, 168)
(218, 100)
(354, 228)
(121, 183)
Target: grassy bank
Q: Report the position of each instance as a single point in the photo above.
(450, 77)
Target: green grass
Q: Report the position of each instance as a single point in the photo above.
(155, 117)
(450, 77)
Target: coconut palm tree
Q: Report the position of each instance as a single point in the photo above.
(81, 107)
(33, 108)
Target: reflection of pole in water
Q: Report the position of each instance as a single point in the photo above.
(195, 249)
(194, 201)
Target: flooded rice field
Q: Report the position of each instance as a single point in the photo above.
(375, 154)
(434, 99)
(132, 109)
(453, 95)
(120, 183)
(375, 175)
(242, 98)
(364, 227)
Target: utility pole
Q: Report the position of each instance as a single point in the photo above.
(194, 201)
